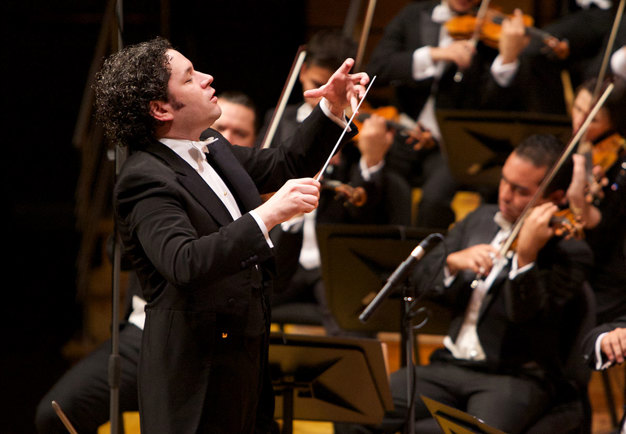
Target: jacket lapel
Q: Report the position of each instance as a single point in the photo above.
(192, 182)
(233, 173)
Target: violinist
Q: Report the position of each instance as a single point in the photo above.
(419, 59)
(604, 211)
(507, 338)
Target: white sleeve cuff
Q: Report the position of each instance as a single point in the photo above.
(503, 74)
(598, 353)
(447, 277)
(367, 172)
(341, 122)
(618, 62)
(516, 271)
(423, 65)
(263, 228)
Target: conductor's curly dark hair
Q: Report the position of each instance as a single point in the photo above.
(124, 87)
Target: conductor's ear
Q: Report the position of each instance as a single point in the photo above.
(161, 111)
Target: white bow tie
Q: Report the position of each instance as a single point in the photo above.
(201, 147)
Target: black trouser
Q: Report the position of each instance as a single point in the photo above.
(84, 393)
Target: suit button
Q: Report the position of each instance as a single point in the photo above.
(231, 301)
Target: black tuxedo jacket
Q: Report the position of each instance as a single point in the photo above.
(202, 274)
(527, 323)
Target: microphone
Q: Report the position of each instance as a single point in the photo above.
(416, 255)
(401, 273)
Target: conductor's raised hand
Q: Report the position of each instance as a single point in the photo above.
(295, 197)
(342, 89)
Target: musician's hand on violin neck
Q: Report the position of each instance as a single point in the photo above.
(342, 90)
(478, 258)
(535, 233)
(513, 37)
(459, 52)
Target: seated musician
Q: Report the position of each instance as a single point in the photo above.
(508, 335)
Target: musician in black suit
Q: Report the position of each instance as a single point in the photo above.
(510, 334)
(196, 231)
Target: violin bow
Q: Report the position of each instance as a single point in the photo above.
(367, 24)
(609, 48)
(480, 16)
(296, 66)
(343, 133)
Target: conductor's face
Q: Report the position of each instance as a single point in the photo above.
(192, 105)
(518, 184)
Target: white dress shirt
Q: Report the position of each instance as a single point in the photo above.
(467, 345)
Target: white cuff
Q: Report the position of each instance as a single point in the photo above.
(618, 62)
(598, 352)
(339, 121)
(367, 172)
(447, 277)
(423, 65)
(503, 74)
(515, 271)
(263, 228)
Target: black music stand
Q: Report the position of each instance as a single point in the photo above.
(328, 379)
(455, 421)
(476, 143)
(356, 262)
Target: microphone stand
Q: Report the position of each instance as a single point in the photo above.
(401, 274)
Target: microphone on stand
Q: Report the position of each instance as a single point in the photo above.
(401, 273)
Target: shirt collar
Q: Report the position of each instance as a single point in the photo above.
(503, 223)
(442, 13)
(602, 4)
(192, 151)
(303, 112)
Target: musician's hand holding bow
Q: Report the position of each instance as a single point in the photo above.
(478, 258)
(458, 52)
(342, 89)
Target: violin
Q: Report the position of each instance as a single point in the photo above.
(356, 196)
(604, 154)
(567, 224)
(464, 26)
